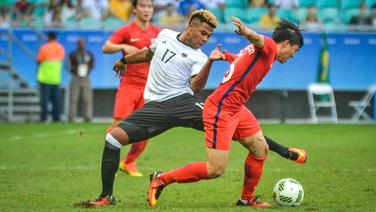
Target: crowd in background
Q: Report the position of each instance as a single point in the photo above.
(312, 15)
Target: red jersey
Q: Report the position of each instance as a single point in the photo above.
(132, 34)
(246, 71)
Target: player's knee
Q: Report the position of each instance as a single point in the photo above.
(259, 147)
(112, 142)
(216, 170)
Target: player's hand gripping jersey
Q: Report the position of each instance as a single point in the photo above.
(246, 71)
(173, 63)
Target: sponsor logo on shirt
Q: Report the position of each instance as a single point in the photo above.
(184, 54)
(134, 39)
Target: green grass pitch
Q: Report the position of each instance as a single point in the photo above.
(50, 167)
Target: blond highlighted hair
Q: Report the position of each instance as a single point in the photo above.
(204, 16)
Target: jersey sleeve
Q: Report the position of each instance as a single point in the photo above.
(270, 46)
(230, 57)
(120, 36)
(157, 41)
(197, 66)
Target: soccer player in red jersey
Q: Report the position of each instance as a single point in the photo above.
(226, 118)
(129, 97)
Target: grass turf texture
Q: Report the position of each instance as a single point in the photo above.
(50, 167)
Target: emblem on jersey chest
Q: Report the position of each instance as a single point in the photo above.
(134, 39)
(184, 54)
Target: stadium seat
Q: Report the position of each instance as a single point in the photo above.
(287, 14)
(70, 23)
(112, 23)
(361, 105)
(349, 4)
(370, 3)
(301, 14)
(236, 3)
(326, 3)
(7, 2)
(240, 13)
(321, 95)
(346, 15)
(218, 13)
(89, 23)
(307, 3)
(328, 15)
(254, 14)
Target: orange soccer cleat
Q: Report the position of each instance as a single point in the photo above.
(130, 168)
(298, 155)
(155, 189)
(252, 202)
(99, 202)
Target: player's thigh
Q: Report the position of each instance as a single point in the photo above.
(188, 111)
(247, 125)
(219, 127)
(127, 101)
(147, 122)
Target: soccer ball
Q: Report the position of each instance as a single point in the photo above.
(288, 192)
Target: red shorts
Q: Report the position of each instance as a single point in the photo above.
(228, 126)
(128, 99)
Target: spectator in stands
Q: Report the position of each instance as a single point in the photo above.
(286, 4)
(257, 3)
(23, 10)
(373, 14)
(269, 21)
(50, 58)
(363, 21)
(186, 7)
(68, 11)
(311, 22)
(121, 9)
(171, 19)
(80, 64)
(160, 7)
(4, 17)
(97, 9)
(52, 17)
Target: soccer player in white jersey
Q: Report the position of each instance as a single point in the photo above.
(178, 68)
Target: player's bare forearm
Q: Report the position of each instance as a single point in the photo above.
(144, 55)
(251, 35)
(110, 47)
(198, 81)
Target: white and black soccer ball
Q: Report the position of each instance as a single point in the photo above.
(288, 192)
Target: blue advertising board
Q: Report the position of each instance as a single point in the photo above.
(352, 59)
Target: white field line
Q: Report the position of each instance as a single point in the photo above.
(39, 135)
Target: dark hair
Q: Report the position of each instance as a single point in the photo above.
(51, 35)
(135, 2)
(288, 31)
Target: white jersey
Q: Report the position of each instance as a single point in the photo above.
(171, 68)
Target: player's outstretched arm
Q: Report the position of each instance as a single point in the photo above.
(248, 33)
(109, 47)
(198, 81)
(144, 55)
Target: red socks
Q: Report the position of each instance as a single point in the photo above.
(135, 151)
(191, 172)
(252, 173)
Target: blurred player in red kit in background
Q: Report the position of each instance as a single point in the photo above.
(129, 97)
